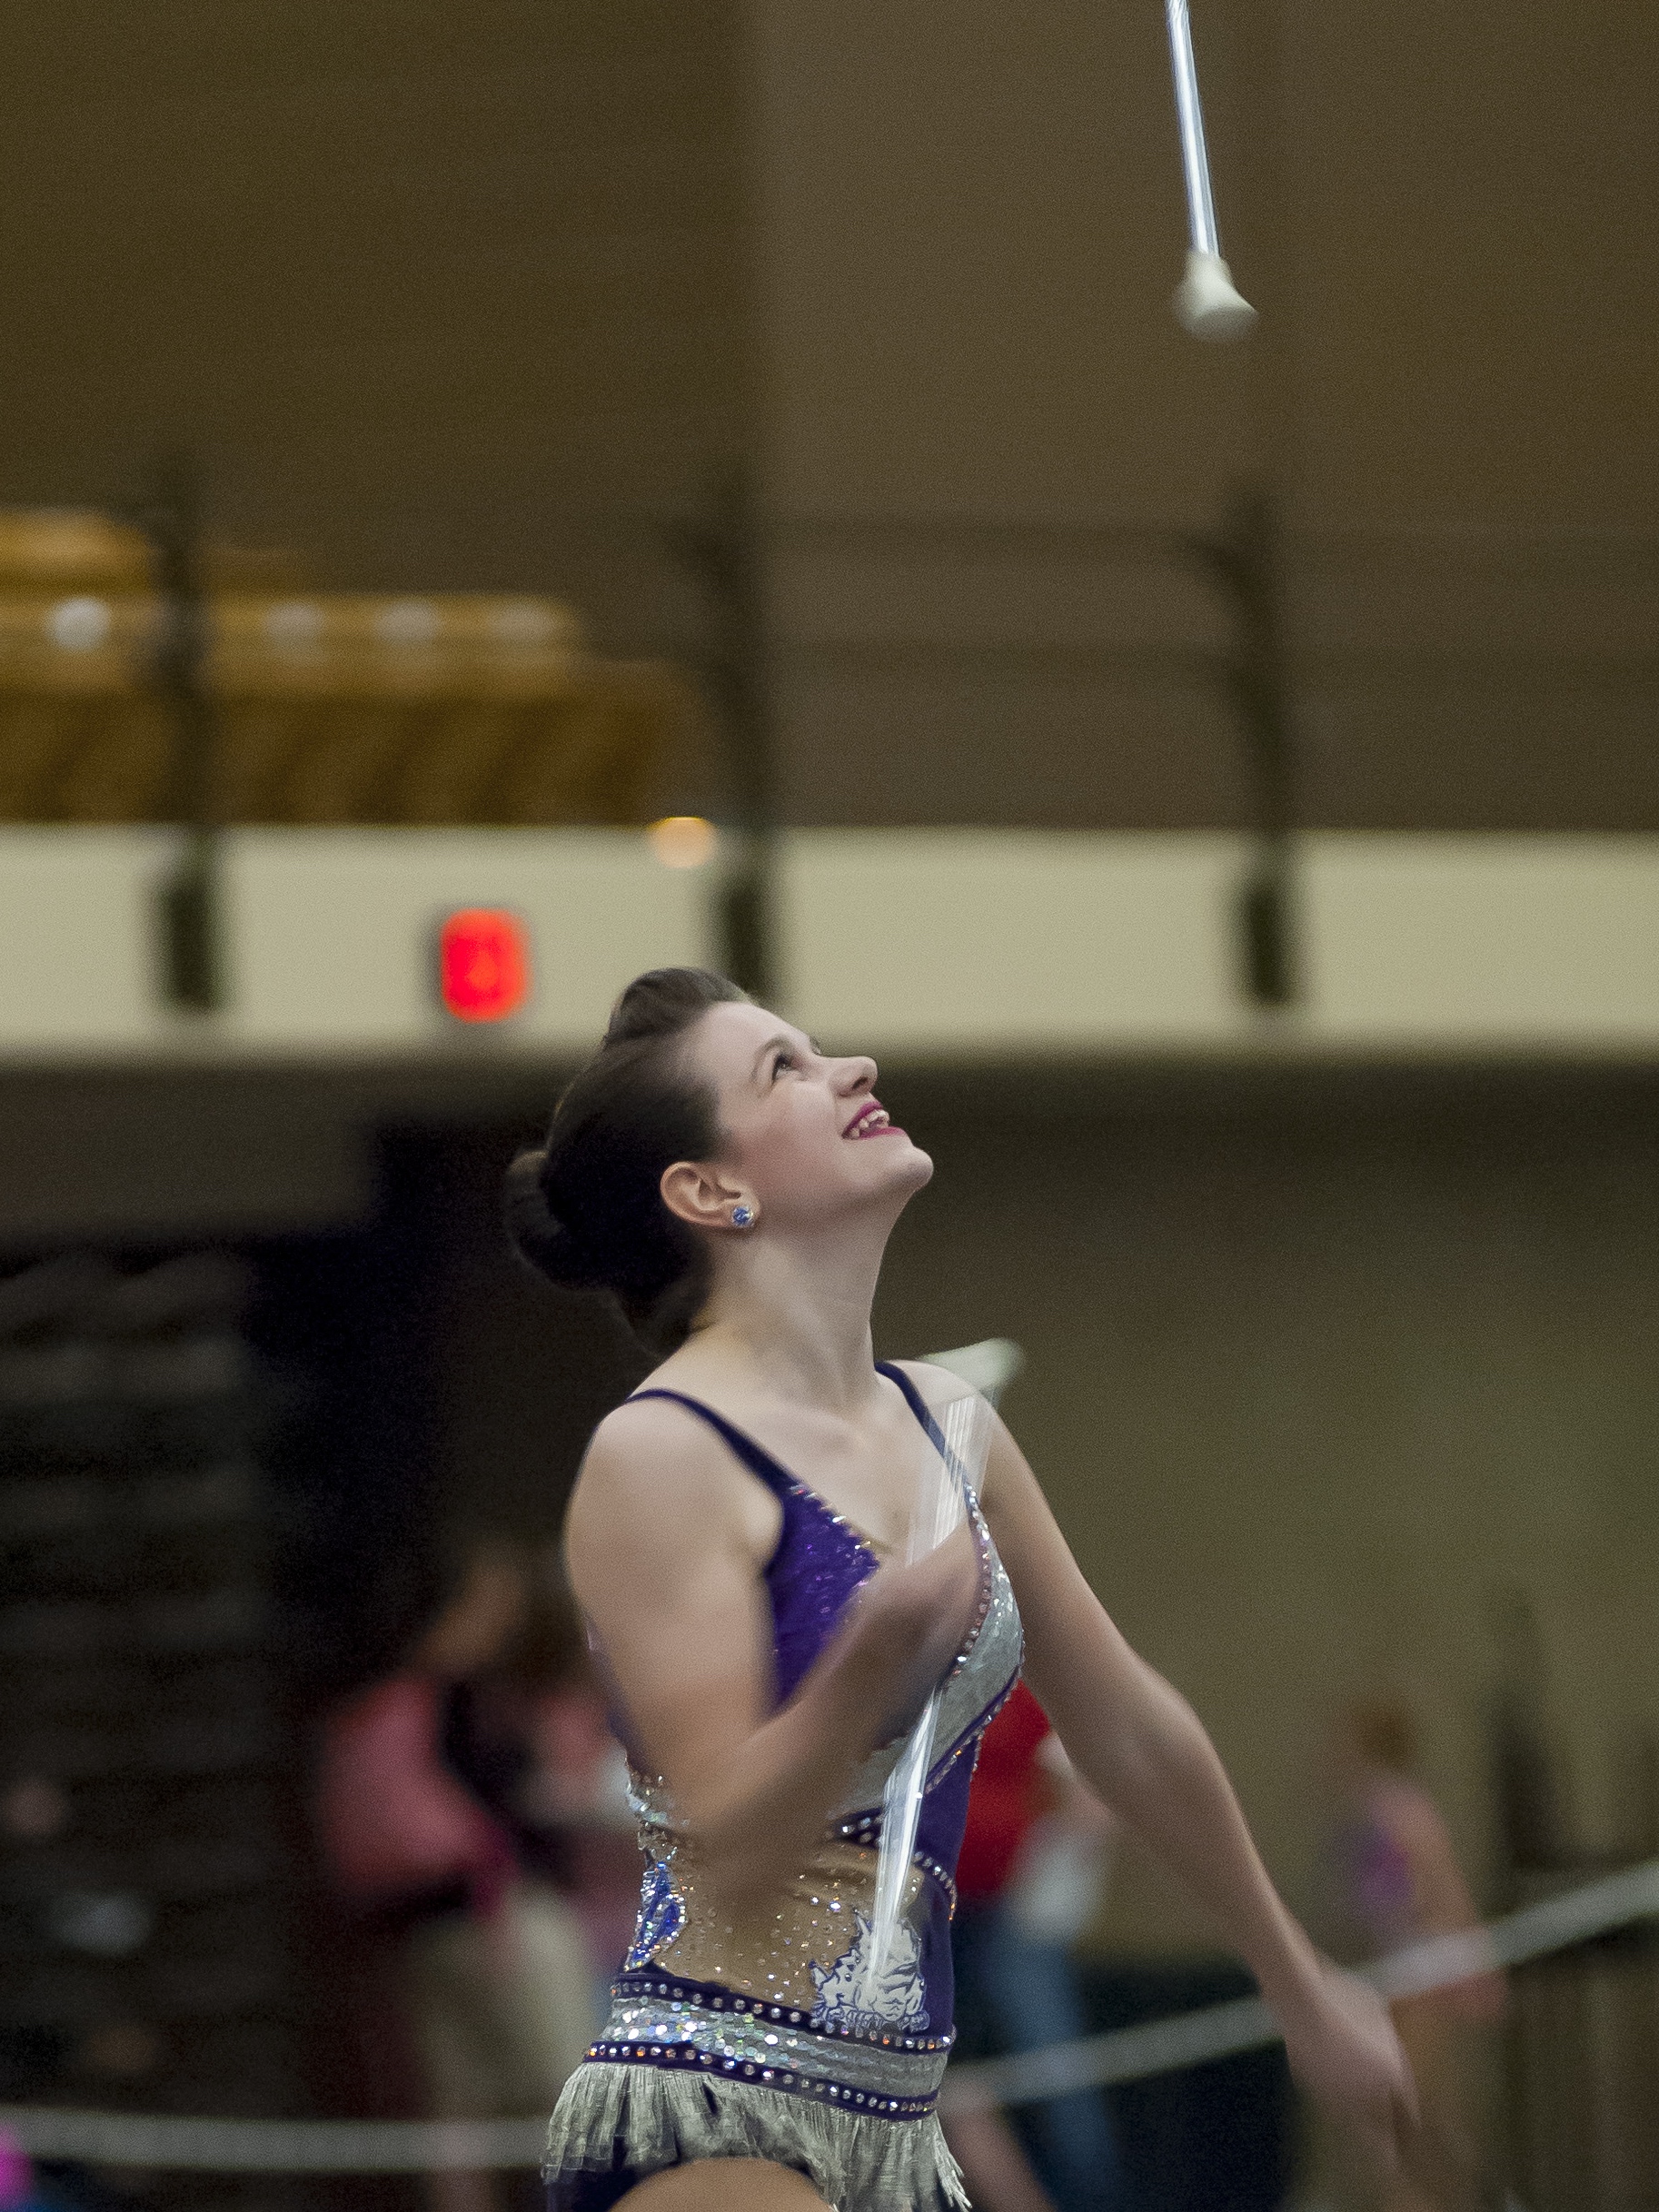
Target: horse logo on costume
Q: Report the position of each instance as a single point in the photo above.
(662, 1917)
(898, 2002)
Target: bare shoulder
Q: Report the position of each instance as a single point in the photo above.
(643, 1436)
(655, 1477)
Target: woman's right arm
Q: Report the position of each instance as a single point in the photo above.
(667, 1542)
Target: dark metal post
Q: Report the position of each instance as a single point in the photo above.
(1248, 559)
(192, 956)
(725, 549)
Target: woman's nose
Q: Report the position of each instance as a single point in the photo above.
(858, 1075)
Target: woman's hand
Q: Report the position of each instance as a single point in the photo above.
(1343, 2051)
(910, 1624)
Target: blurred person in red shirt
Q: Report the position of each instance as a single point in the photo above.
(1029, 1879)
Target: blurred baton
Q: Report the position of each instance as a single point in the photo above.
(1205, 302)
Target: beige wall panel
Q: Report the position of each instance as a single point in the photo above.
(1469, 943)
(78, 910)
(329, 941)
(335, 930)
(930, 944)
(951, 942)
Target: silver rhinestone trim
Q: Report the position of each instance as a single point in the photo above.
(675, 2027)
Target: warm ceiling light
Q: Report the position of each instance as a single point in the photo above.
(683, 841)
(483, 964)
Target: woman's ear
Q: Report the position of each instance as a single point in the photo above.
(697, 1192)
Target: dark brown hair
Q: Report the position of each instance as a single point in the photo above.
(586, 1209)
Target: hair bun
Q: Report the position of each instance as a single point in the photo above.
(543, 1241)
(588, 1212)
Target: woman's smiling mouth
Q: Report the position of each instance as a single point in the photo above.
(871, 1120)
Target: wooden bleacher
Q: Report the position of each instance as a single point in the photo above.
(332, 708)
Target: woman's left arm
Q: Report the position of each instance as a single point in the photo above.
(1139, 1744)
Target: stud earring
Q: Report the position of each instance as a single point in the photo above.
(743, 1216)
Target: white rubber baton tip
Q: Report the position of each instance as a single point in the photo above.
(1206, 303)
(990, 1367)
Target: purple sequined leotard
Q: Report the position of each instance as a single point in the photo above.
(758, 2039)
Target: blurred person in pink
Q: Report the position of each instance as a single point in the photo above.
(18, 2192)
(1398, 1881)
(532, 1738)
(575, 1794)
(495, 1966)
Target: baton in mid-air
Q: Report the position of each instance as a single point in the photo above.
(1206, 300)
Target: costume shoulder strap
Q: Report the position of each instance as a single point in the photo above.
(915, 1401)
(754, 1457)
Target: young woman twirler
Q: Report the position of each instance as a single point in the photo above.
(737, 1541)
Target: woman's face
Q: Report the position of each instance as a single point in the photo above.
(804, 1134)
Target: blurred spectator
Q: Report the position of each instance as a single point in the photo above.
(1397, 1880)
(533, 1738)
(17, 2189)
(56, 2184)
(1029, 1880)
(497, 1965)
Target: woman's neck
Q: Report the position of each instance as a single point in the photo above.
(791, 1316)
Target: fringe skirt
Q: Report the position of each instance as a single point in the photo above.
(614, 2125)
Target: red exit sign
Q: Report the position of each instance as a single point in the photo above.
(483, 964)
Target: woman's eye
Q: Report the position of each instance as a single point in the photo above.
(784, 1059)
